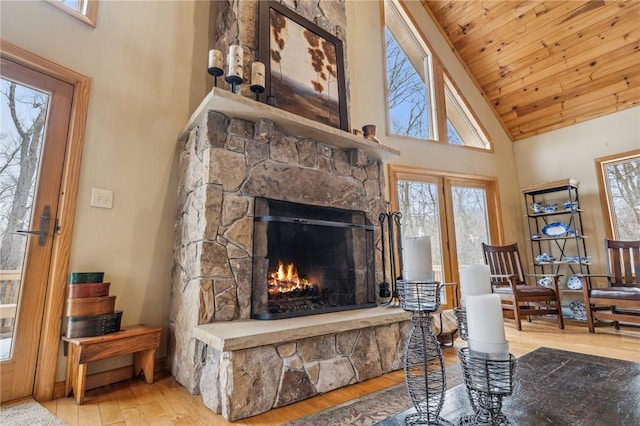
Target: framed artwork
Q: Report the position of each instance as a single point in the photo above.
(304, 66)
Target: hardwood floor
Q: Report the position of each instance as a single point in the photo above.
(166, 402)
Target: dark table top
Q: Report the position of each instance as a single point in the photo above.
(554, 387)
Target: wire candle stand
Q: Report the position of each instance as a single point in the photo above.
(423, 362)
(491, 380)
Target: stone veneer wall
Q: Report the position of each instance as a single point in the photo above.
(224, 164)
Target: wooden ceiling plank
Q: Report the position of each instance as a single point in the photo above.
(608, 27)
(559, 118)
(592, 26)
(585, 77)
(546, 70)
(508, 15)
(437, 5)
(500, 40)
(575, 100)
(633, 75)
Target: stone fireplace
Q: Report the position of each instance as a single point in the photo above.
(246, 166)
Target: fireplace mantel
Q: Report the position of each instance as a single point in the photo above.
(237, 106)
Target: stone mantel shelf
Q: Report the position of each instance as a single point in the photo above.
(237, 106)
(243, 334)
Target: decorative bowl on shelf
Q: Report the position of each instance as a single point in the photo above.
(574, 283)
(570, 205)
(546, 282)
(550, 208)
(555, 229)
(535, 236)
(545, 258)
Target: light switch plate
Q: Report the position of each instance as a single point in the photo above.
(102, 198)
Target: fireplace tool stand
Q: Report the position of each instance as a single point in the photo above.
(391, 246)
(423, 363)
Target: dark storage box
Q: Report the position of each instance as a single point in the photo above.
(85, 277)
(93, 325)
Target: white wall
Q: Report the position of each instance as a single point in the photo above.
(147, 62)
(365, 49)
(570, 152)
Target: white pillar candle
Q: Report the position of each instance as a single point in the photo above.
(485, 326)
(235, 61)
(416, 259)
(215, 59)
(474, 280)
(257, 74)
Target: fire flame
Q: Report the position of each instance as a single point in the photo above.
(286, 279)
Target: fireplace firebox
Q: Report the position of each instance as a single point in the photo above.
(310, 260)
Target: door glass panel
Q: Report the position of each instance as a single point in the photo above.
(471, 223)
(419, 204)
(22, 127)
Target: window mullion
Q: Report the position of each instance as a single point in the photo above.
(440, 104)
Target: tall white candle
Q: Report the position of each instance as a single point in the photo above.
(485, 326)
(215, 59)
(474, 280)
(416, 259)
(235, 61)
(257, 74)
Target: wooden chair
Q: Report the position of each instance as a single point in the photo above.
(618, 300)
(509, 281)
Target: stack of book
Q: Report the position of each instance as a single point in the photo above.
(90, 310)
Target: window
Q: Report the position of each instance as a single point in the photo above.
(462, 127)
(83, 10)
(422, 101)
(408, 67)
(619, 183)
(457, 211)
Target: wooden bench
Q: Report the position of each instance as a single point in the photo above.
(141, 340)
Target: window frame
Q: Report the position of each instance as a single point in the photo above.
(88, 15)
(439, 78)
(603, 187)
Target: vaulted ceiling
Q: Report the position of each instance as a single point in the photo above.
(544, 65)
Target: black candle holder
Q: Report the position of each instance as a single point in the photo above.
(257, 89)
(234, 80)
(490, 380)
(215, 72)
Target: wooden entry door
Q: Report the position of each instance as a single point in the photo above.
(36, 111)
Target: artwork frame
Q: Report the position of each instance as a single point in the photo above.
(293, 49)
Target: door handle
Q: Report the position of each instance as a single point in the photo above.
(44, 227)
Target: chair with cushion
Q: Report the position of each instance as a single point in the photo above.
(620, 299)
(509, 281)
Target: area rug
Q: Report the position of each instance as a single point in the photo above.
(555, 387)
(27, 412)
(372, 408)
(550, 387)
